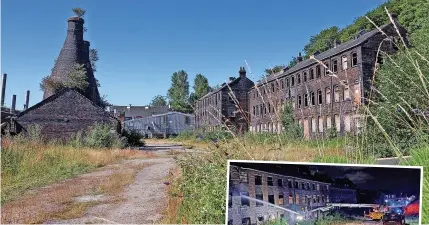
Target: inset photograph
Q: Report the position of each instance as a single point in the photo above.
(265, 192)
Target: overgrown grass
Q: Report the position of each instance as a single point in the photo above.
(28, 162)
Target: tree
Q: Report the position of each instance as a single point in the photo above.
(79, 12)
(178, 93)
(292, 62)
(322, 41)
(271, 71)
(291, 128)
(93, 58)
(158, 100)
(76, 79)
(201, 86)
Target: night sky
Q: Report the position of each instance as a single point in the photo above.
(395, 180)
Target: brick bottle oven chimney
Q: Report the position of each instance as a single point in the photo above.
(74, 51)
(242, 72)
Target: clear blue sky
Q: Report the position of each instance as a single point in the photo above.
(141, 42)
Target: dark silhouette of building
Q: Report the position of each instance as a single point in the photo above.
(63, 114)
(75, 51)
(226, 106)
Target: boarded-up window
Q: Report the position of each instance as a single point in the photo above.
(328, 122)
(306, 128)
(346, 93)
(347, 123)
(296, 198)
(328, 96)
(318, 187)
(337, 123)
(303, 200)
(290, 199)
(337, 94)
(293, 103)
(320, 124)
(313, 125)
(344, 62)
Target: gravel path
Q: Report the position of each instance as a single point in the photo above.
(143, 201)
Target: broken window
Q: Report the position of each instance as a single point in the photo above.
(318, 71)
(304, 76)
(305, 100)
(292, 81)
(311, 74)
(290, 199)
(328, 96)
(344, 62)
(313, 98)
(271, 199)
(244, 200)
(299, 101)
(281, 199)
(335, 66)
(270, 181)
(261, 198)
(287, 82)
(319, 97)
(280, 182)
(336, 93)
(245, 221)
(258, 180)
(298, 78)
(354, 59)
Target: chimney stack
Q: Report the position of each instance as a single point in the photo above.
(3, 88)
(27, 100)
(242, 71)
(299, 58)
(12, 108)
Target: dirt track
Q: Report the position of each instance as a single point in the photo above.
(79, 200)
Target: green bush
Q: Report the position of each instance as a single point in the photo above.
(101, 137)
(132, 138)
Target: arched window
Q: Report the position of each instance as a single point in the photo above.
(318, 71)
(319, 97)
(354, 59)
(305, 100)
(304, 76)
(313, 98)
(298, 78)
(311, 74)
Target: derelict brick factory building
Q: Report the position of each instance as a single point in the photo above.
(305, 196)
(225, 106)
(322, 98)
(68, 111)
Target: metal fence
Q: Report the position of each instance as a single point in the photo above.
(167, 124)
